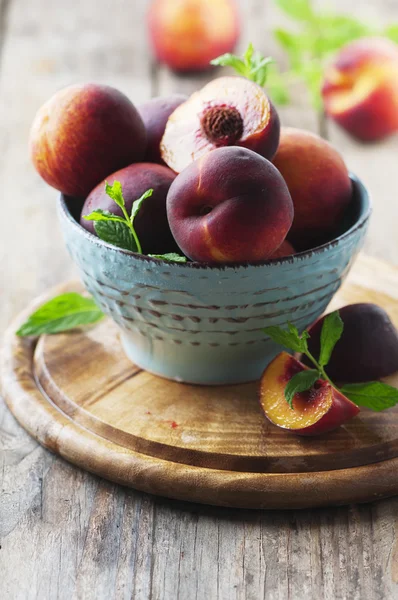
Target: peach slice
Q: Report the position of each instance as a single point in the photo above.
(228, 111)
(316, 411)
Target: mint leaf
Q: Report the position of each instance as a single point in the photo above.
(253, 65)
(332, 330)
(301, 382)
(138, 203)
(231, 60)
(116, 233)
(289, 339)
(103, 215)
(276, 86)
(300, 10)
(61, 314)
(114, 191)
(170, 256)
(375, 395)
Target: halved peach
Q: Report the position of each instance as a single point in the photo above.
(318, 410)
(228, 111)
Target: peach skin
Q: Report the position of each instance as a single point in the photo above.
(285, 249)
(151, 222)
(316, 411)
(319, 185)
(83, 134)
(360, 88)
(155, 113)
(187, 34)
(229, 206)
(228, 111)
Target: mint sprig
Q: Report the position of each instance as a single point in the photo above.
(253, 65)
(375, 395)
(119, 231)
(62, 313)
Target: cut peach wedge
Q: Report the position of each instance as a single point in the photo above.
(318, 410)
(228, 111)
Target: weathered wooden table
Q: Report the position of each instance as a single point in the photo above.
(67, 534)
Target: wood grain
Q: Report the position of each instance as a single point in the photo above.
(67, 534)
(197, 443)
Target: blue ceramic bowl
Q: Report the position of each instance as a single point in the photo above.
(201, 323)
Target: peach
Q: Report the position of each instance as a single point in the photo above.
(229, 206)
(187, 34)
(155, 113)
(151, 222)
(367, 349)
(360, 88)
(228, 111)
(84, 133)
(285, 249)
(316, 411)
(318, 182)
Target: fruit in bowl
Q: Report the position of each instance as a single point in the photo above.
(70, 137)
(151, 222)
(228, 111)
(319, 185)
(360, 88)
(155, 114)
(187, 34)
(231, 205)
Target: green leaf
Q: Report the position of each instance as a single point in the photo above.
(332, 330)
(230, 60)
(138, 203)
(173, 256)
(248, 55)
(300, 10)
(375, 395)
(392, 32)
(103, 215)
(61, 314)
(115, 192)
(289, 339)
(301, 382)
(116, 233)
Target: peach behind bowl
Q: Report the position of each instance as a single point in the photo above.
(202, 323)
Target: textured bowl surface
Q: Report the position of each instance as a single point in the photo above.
(202, 323)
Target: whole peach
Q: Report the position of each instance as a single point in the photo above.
(187, 34)
(84, 133)
(360, 88)
(318, 182)
(232, 205)
(151, 222)
(285, 249)
(155, 113)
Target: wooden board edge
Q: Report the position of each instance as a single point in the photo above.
(57, 432)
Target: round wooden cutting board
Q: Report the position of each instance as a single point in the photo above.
(79, 396)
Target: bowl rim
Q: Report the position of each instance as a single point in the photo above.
(365, 212)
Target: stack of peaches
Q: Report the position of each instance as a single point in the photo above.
(229, 185)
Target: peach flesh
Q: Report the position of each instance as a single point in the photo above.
(231, 205)
(319, 410)
(84, 133)
(227, 111)
(360, 88)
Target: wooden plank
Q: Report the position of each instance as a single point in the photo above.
(56, 522)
